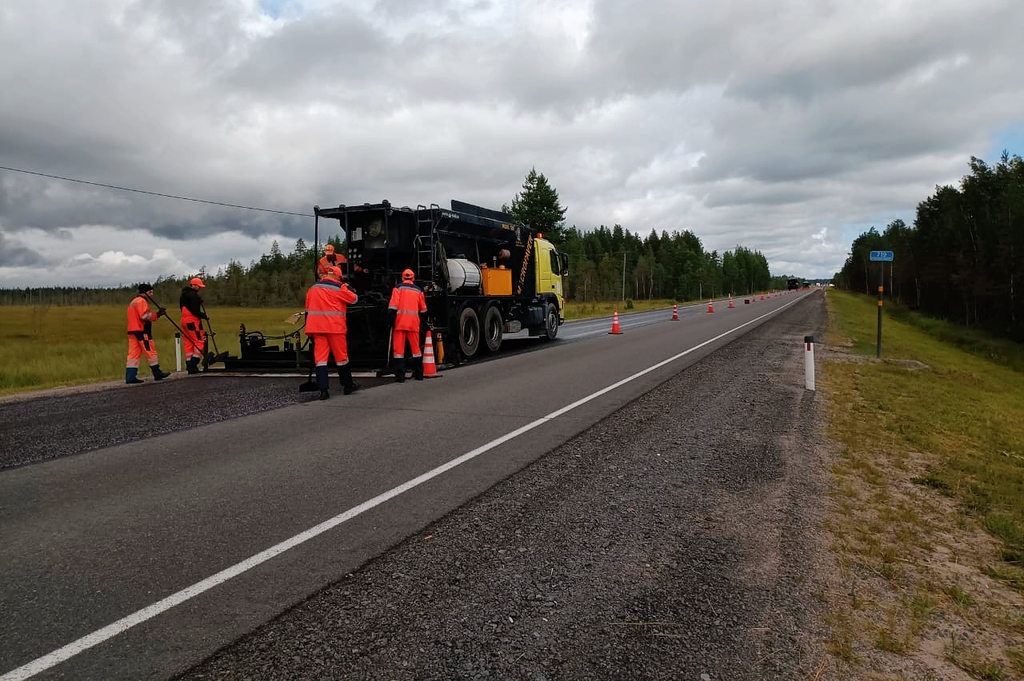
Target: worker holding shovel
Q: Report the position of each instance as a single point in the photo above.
(192, 316)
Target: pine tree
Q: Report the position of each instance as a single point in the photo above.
(538, 207)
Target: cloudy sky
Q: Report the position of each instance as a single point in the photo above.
(785, 126)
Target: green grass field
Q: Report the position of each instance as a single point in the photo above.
(45, 347)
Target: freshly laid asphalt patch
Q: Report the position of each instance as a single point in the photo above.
(75, 420)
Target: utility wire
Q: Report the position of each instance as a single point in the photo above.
(166, 196)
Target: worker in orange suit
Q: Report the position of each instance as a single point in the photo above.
(193, 335)
(140, 336)
(406, 307)
(327, 304)
(332, 259)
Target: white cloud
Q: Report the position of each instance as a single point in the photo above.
(784, 126)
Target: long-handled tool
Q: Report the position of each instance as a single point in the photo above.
(168, 318)
(215, 356)
(310, 385)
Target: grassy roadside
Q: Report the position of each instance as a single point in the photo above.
(928, 503)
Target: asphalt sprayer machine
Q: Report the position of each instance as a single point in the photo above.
(483, 277)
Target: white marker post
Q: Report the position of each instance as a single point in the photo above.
(177, 349)
(809, 362)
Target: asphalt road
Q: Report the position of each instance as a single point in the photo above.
(91, 540)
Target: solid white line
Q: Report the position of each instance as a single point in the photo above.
(100, 635)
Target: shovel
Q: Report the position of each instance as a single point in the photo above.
(209, 357)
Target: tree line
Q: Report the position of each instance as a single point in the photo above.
(607, 263)
(961, 260)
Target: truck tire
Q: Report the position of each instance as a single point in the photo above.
(492, 330)
(551, 322)
(469, 332)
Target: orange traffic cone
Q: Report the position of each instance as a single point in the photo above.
(711, 306)
(730, 302)
(762, 296)
(615, 323)
(675, 312)
(429, 368)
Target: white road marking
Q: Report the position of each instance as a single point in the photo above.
(65, 653)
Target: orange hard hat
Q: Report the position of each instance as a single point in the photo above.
(408, 275)
(196, 281)
(333, 273)
(328, 249)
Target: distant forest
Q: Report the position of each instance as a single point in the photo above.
(605, 264)
(963, 258)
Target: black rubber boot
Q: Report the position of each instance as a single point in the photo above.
(349, 386)
(192, 366)
(323, 382)
(417, 368)
(158, 375)
(131, 376)
(399, 370)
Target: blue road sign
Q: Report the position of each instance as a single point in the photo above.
(881, 256)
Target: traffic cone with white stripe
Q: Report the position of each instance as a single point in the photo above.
(711, 306)
(675, 312)
(615, 323)
(730, 302)
(429, 368)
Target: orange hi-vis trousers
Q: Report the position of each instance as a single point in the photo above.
(193, 337)
(399, 339)
(327, 344)
(139, 343)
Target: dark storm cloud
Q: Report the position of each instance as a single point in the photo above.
(13, 254)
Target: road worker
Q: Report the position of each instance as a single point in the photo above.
(332, 259)
(140, 336)
(192, 316)
(405, 309)
(327, 304)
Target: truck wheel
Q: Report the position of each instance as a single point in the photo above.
(492, 328)
(469, 332)
(551, 322)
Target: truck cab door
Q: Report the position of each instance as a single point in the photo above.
(549, 269)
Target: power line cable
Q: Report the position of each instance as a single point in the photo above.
(166, 196)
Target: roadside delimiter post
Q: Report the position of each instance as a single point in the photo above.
(809, 362)
(177, 350)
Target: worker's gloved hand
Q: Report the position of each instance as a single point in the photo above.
(205, 316)
(392, 316)
(161, 312)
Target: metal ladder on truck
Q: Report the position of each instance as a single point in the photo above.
(426, 223)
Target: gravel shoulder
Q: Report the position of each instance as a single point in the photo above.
(680, 538)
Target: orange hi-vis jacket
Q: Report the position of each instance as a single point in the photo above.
(327, 304)
(139, 314)
(408, 302)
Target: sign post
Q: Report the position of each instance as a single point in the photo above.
(881, 257)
